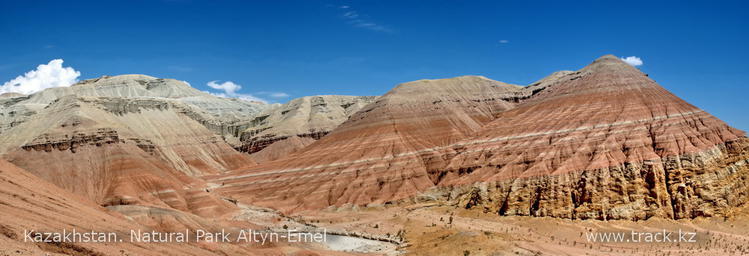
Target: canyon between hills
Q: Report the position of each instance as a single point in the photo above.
(457, 166)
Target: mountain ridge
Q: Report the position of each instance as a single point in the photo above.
(560, 92)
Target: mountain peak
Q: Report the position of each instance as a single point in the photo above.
(607, 57)
(450, 85)
(610, 63)
(115, 79)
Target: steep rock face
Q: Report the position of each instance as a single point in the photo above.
(308, 117)
(683, 187)
(380, 153)
(604, 142)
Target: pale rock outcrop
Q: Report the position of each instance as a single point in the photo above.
(10, 95)
(124, 140)
(307, 117)
(148, 157)
(215, 113)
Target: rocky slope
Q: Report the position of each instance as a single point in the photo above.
(307, 117)
(281, 149)
(158, 113)
(30, 203)
(213, 112)
(145, 157)
(126, 140)
(379, 153)
(603, 142)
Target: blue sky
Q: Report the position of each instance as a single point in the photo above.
(698, 50)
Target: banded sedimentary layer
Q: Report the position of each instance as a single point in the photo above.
(377, 154)
(307, 117)
(125, 140)
(603, 142)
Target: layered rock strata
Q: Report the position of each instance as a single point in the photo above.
(116, 151)
(377, 154)
(603, 142)
(307, 117)
(215, 113)
(32, 205)
(282, 149)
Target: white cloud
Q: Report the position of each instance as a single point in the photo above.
(344, 7)
(44, 76)
(229, 87)
(230, 91)
(633, 61)
(504, 41)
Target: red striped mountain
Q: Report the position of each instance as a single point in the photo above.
(603, 142)
(383, 152)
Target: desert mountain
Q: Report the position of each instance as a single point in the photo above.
(215, 113)
(603, 142)
(382, 152)
(307, 117)
(126, 140)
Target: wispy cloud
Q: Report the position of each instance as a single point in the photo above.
(351, 15)
(633, 61)
(49, 75)
(503, 41)
(275, 95)
(279, 95)
(356, 19)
